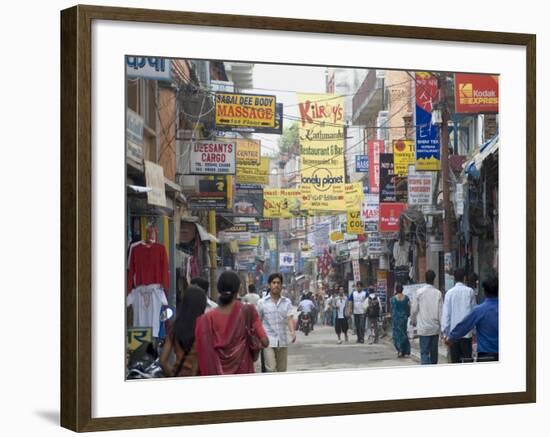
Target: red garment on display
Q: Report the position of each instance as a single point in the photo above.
(221, 340)
(148, 265)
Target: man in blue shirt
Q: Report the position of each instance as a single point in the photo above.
(484, 318)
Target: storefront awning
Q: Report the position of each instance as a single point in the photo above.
(473, 166)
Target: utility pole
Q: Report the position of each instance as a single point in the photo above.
(444, 137)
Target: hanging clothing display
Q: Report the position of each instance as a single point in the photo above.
(148, 265)
(146, 302)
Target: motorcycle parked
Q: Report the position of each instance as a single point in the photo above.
(144, 362)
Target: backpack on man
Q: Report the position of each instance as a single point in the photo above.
(373, 307)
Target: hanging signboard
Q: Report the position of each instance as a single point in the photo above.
(286, 259)
(253, 175)
(212, 195)
(389, 216)
(362, 163)
(354, 196)
(371, 209)
(420, 189)
(387, 178)
(212, 158)
(266, 225)
(375, 148)
(403, 156)
(154, 178)
(248, 203)
(428, 150)
(401, 193)
(134, 135)
(248, 151)
(322, 151)
(476, 93)
(374, 245)
(244, 110)
(149, 68)
(277, 129)
(282, 202)
(382, 288)
(354, 223)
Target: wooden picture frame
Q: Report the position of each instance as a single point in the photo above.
(76, 223)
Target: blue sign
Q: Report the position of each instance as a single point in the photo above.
(148, 67)
(362, 163)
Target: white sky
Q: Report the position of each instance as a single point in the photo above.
(284, 81)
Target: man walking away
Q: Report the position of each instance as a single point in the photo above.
(458, 303)
(426, 314)
(484, 318)
(372, 307)
(275, 313)
(251, 297)
(340, 303)
(356, 307)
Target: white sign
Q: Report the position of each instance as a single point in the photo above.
(148, 68)
(356, 271)
(286, 259)
(420, 189)
(134, 135)
(212, 157)
(154, 178)
(371, 208)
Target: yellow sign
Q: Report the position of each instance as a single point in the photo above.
(254, 241)
(135, 337)
(248, 151)
(403, 155)
(354, 196)
(253, 174)
(282, 202)
(244, 110)
(322, 151)
(336, 236)
(354, 223)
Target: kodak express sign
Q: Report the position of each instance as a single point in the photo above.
(476, 93)
(244, 110)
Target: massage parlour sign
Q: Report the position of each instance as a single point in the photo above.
(244, 110)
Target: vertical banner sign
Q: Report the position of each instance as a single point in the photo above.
(371, 215)
(389, 216)
(154, 178)
(322, 151)
(428, 149)
(354, 224)
(356, 270)
(403, 156)
(382, 288)
(387, 178)
(476, 93)
(375, 148)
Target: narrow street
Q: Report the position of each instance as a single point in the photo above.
(320, 351)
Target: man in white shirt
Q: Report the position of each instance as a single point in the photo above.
(275, 312)
(426, 312)
(251, 297)
(459, 302)
(306, 306)
(356, 308)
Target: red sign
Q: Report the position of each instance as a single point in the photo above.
(375, 148)
(389, 216)
(476, 93)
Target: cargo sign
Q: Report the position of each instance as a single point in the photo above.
(476, 93)
(244, 110)
(428, 150)
(420, 189)
(212, 158)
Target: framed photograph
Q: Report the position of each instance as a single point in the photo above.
(328, 171)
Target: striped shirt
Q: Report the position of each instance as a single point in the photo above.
(274, 316)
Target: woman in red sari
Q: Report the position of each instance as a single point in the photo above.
(221, 334)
